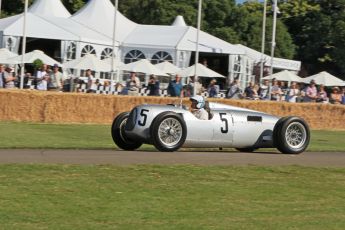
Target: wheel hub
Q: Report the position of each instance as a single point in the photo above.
(170, 131)
(295, 135)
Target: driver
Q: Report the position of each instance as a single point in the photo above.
(198, 110)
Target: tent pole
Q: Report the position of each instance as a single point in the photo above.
(273, 45)
(197, 47)
(263, 42)
(23, 45)
(114, 41)
(0, 8)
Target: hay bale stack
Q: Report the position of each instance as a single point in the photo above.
(55, 107)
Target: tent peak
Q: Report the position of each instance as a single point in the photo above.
(179, 21)
(98, 15)
(53, 8)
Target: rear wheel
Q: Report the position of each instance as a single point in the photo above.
(118, 133)
(168, 131)
(291, 135)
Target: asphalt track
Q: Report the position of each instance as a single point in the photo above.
(324, 159)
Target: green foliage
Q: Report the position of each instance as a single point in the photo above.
(159, 12)
(316, 27)
(73, 5)
(246, 20)
(37, 64)
(227, 34)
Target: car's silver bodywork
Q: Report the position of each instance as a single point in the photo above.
(230, 126)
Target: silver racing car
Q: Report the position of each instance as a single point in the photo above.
(170, 127)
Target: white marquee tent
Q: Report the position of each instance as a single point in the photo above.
(5, 55)
(90, 30)
(278, 63)
(99, 15)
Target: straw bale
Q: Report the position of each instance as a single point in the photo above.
(55, 107)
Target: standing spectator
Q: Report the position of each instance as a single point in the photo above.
(336, 96)
(322, 95)
(27, 78)
(234, 90)
(153, 86)
(343, 96)
(43, 83)
(9, 78)
(311, 92)
(213, 89)
(133, 84)
(2, 76)
(284, 88)
(91, 82)
(197, 84)
(302, 89)
(119, 88)
(188, 90)
(256, 92)
(175, 87)
(40, 74)
(55, 79)
(293, 93)
(249, 91)
(264, 90)
(276, 91)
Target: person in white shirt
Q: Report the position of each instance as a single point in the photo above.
(198, 110)
(40, 74)
(133, 84)
(91, 82)
(43, 83)
(293, 93)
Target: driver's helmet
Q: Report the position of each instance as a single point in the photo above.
(200, 101)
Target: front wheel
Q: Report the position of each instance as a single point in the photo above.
(291, 135)
(118, 133)
(168, 131)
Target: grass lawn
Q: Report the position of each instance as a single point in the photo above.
(171, 197)
(162, 197)
(82, 136)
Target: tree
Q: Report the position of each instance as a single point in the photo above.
(317, 28)
(73, 5)
(14, 7)
(246, 20)
(159, 12)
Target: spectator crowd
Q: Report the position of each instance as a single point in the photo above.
(295, 92)
(51, 78)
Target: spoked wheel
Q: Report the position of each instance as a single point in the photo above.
(291, 135)
(119, 136)
(168, 132)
